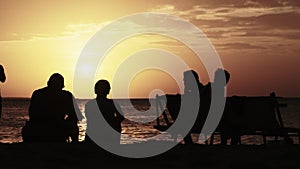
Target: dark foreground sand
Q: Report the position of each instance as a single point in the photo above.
(83, 156)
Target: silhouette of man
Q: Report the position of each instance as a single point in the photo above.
(2, 79)
(52, 113)
(110, 111)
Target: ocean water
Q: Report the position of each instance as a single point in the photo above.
(138, 127)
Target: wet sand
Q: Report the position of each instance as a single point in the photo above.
(45, 155)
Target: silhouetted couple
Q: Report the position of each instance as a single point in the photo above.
(53, 114)
(2, 79)
(205, 94)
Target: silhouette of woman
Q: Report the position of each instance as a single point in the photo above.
(2, 79)
(192, 89)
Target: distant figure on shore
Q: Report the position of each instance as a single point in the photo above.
(110, 111)
(2, 79)
(52, 114)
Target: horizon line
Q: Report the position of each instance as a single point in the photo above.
(84, 98)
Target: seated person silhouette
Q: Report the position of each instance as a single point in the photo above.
(2, 79)
(53, 114)
(110, 111)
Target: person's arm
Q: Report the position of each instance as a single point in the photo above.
(119, 113)
(74, 113)
(2, 74)
(33, 109)
(78, 113)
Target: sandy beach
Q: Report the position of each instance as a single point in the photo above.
(56, 155)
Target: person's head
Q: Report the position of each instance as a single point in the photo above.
(190, 77)
(219, 74)
(56, 81)
(2, 74)
(102, 88)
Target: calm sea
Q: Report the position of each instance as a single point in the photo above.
(139, 126)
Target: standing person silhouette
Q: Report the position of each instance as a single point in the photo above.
(221, 78)
(110, 111)
(2, 79)
(52, 113)
(192, 89)
(220, 85)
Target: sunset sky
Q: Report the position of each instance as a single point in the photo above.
(257, 41)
